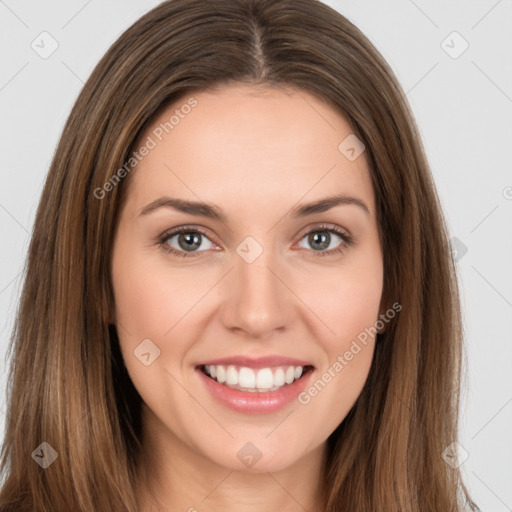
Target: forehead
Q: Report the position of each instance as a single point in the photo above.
(244, 142)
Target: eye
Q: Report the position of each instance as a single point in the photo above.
(187, 241)
(321, 238)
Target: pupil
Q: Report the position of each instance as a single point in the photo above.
(322, 239)
(192, 240)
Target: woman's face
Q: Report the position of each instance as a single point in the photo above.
(255, 284)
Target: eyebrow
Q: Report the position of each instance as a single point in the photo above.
(215, 212)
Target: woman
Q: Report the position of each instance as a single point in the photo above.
(240, 292)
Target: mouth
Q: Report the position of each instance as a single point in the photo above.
(255, 380)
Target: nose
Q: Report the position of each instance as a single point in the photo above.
(257, 301)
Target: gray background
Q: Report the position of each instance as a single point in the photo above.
(463, 105)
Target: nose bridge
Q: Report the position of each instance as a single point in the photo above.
(256, 298)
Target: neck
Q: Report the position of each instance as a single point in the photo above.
(175, 477)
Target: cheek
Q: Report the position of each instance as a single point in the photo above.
(349, 305)
(349, 350)
(359, 306)
(146, 308)
(139, 306)
(155, 303)
(347, 302)
(146, 301)
(351, 312)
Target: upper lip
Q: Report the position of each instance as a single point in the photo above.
(257, 362)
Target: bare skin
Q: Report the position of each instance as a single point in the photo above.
(257, 154)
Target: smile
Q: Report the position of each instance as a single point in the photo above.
(255, 380)
(254, 391)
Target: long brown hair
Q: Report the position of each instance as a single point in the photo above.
(68, 385)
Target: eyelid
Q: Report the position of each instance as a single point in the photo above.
(343, 233)
(347, 239)
(323, 226)
(170, 233)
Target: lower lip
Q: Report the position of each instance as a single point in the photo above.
(255, 402)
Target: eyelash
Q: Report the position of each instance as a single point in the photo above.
(347, 240)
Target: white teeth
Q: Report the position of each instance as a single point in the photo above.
(265, 379)
(231, 376)
(249, 379)
(279, 377)
(246, 378)
(221, 374)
